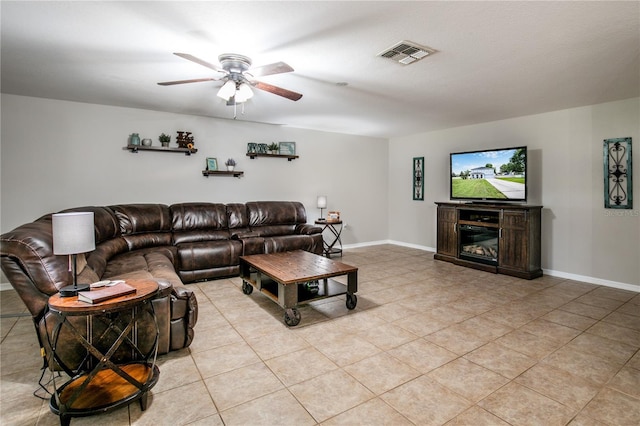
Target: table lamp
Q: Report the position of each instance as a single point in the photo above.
(322, 204)
(73, 233)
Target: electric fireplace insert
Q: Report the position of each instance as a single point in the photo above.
(479, 244)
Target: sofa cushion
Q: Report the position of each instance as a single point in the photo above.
(194, 222)
(275, 217)
(151, 263)
(87, 275)
(31, 246)
(105, 222)
(237, 217)
(144, 225)
(293, 242)
(208, 254)
(98, 259)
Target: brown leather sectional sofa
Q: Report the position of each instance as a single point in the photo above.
(174, 245)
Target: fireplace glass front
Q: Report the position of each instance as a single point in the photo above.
(479, 244)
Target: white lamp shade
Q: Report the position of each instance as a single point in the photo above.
(244, 93)
(322, 201)
(227, 90)
(73, 233)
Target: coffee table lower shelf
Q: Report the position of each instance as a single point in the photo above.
(273, 290)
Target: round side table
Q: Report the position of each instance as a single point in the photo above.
(334, 244)
(100, 384)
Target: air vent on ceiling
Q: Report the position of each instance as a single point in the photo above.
(407, 52)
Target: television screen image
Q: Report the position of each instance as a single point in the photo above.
(489, 175)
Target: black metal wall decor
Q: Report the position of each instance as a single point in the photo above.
(618, 185)
(418, 181)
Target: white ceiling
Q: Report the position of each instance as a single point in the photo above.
(495, 60)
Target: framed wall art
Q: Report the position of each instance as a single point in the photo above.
(618, 185)
(212, 164)
(418, 181)
(287, 148)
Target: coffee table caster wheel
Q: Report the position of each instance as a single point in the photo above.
(352, 301)
(246, 287)
(292, 317)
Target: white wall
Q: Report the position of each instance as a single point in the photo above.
(58, 154)
(580, 238)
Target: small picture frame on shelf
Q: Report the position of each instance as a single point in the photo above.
(212, 164)
(252, 147)
(287, 148)
(262, 148)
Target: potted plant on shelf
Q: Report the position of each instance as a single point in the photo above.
(273, 148)
(164, 140)
(231, 164)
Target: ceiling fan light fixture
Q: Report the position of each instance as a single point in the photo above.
(238, 77)
(227, 90)
(244, 93)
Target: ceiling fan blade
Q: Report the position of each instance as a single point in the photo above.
(277, 90)
(195, 80)
(199, 61)
(275, 68)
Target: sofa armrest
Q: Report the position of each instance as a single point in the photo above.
(307, 229)
(184, 315)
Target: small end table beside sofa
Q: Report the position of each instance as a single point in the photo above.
(100, 385)
(334, 244)
(172, 244)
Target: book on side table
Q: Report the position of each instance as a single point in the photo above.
(106, 293)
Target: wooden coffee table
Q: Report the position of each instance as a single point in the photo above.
(285, 277)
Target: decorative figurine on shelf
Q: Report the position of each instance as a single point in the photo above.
(185, 140)
(231, 164)
(164, 140)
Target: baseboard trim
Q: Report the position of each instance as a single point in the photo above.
(592, 280)
(395, 243)
(414, 246)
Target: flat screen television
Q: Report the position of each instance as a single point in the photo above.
(489, 175)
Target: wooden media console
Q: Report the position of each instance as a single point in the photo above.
(499, 238)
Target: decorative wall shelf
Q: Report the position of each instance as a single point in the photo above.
(136, 148)
(253, 155)
(235, 173)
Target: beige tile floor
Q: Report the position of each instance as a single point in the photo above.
(429, 343)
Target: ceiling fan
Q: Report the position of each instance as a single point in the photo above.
(238, 77)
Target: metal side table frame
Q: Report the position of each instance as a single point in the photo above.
(98, 384)
(335, 227)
